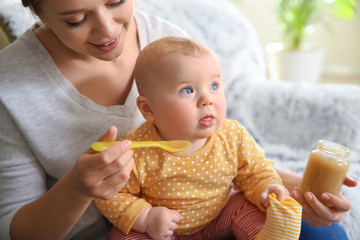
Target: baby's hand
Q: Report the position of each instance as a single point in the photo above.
(280, 191)
(161, 222)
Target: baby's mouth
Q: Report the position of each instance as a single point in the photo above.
(207, 118)
(207, 121)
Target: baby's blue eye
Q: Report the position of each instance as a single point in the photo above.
(187, 90)
(214, 86)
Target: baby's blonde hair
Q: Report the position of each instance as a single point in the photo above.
(150, 56)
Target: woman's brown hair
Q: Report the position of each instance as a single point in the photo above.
(33, 4)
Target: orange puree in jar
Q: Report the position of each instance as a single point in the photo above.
(326, 169)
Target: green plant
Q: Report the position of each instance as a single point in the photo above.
(295, 17)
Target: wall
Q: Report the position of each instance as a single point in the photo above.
(340, 37)
(5, 2)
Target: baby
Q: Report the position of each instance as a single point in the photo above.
(189, 195)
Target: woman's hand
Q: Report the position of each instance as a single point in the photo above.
(103, 174)
(59, 209)
(331, 209)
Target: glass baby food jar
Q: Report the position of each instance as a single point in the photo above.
(326, 169)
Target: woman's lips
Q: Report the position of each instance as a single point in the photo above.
(109, 45)
(109, 42)
(207, 121)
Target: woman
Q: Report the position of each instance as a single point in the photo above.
(63, 83)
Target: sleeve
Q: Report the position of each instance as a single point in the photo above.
(21, 176)
(254, 172)
(123, 209)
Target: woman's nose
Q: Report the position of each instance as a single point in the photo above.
(103, 26)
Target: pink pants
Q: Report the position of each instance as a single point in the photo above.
(240, 219)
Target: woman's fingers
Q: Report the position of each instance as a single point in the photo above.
(330, 209)
(350, 182)
(338, 203)
(108, 158)
(109, 136)
(118, 173)
(327, 214)
(102, 174)
(309, 215)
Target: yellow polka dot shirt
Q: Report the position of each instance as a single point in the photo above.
(196, 184)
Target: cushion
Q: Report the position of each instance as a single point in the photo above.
(6, 36)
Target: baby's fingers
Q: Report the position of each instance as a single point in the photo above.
(281, 193)
(177, 217)
(264, 200)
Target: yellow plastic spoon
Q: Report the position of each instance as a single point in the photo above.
(171, 146)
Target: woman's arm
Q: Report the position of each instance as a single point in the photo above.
(54, 214)
(290, 179)
(51, 216)
(314, 212)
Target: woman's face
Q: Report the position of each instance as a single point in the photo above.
(98, 28)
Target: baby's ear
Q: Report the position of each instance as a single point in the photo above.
(144, 108)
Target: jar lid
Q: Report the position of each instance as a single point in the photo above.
(334, 149)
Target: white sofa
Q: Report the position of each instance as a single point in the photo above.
(287, 119)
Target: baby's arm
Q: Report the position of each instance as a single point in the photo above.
(280, 191)
(158, 222)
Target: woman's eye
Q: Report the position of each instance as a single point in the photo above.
(187, 90)
(214, 86)
(80, 23)
(117, 4)
(77, 24)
